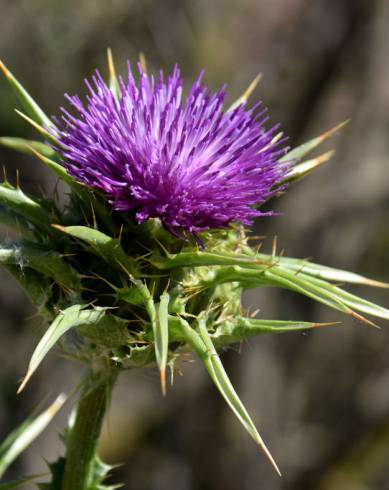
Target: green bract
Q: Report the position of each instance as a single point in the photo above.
(137, 295)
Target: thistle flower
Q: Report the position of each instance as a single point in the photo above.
(194, 167)
(184, 161)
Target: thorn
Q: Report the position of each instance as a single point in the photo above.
(364, 320)
(377, 284)
(24, 382)
(267, 453)
(333, 130)
(250, 89)
(121, 232)
(93, 217)
(111, 66)
(5, 177)
(17, 179)
(163, 381)
(59, 227)
(326, 324)
(167, 286)
(57, 404)
(274, 247)
(143, 62)
(171, 374)
(323, 158)
(4, 69)
(39, 128)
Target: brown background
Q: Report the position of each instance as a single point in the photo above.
(320, 399)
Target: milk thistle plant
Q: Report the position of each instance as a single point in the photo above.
(149, 257)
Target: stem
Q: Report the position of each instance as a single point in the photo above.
(84, 435)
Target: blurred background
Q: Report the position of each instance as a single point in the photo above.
(320, 400)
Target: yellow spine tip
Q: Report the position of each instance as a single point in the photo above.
(111, 66)
(4, 69)
(163, 381)
(332, 131)
(23, 383)
(250, 89)
(143, 62)
(364, 320)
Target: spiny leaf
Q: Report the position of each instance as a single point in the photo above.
(312, 287)
(25, 98)
(203, 346)
(159, 332)
(18, 201)
(47, 135)
(27, 146)
(264, 270)
(59, 170)
(320, 271)
(237, 329)
(302, 169)
(64, 322)
(103, 328)
(296, 154)
(162, 337)
(108, 248)
(99, 472)
(50, 264)
(260, 261)
(197, 258)
(88, 320)
(20, 438)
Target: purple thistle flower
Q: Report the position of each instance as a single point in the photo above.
(184, 161)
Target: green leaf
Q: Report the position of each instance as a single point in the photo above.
(66, 320)
(56, 470)
(198, 259)
(159, 324)
(108, 248)
(15, 199)
(47, 135)
(27, 146)
(20, 438)
(260, 262)
(99, 473)
(162, 337)
(296, 154)
(303, 169)
(103, 328)
(314, 288)
(93, 323)
(62, 173)
(237, 329)
(202, 344)
(320, 271)
(25, 98)
(50, 264)
(266, 270)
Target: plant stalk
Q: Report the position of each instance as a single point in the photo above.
(84, 435)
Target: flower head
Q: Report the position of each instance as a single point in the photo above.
(183, 160)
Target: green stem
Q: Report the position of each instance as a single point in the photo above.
(84, 435)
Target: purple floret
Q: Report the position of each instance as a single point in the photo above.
(184, 161)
